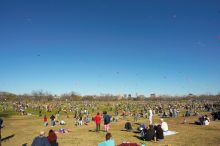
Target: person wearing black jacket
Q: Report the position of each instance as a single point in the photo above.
(52, 118)
(150, 134)
(159, 133)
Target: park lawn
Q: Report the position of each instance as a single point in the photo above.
(25, 128)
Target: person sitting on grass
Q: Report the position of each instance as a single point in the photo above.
(108, 141)
(62, 122)
(52, 138)
(164, 125)
(207, 120)
(62, 131)
(159, 133)
(128, 126)
(150, 134)
(203, 120)
(40, 140)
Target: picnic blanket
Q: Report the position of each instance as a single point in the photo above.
(169, 133)
(128, 144)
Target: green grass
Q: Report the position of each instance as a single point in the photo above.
(26, 128)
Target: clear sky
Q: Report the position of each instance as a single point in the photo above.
(110, 46)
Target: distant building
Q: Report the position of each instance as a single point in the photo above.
(153, 95)
(190, 95)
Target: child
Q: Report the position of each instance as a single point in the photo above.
(45, 121)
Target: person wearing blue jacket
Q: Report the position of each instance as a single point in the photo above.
(107, 120)
(40, 140)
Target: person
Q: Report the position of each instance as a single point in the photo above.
(107, 120)
(136, 116)
(164, 125)
(40, 113)
(159, 133)
(150, 134)
(200, 121)
(52, 118)
(1, 123)
(62, 131)
(86, 120)
(52, 138)
(97, 120)
(57, 117)
(108, 141)
(115, 119)
(206, 120)
(174, 112)
(62, 122)
(124, 115)
(216, 115)
(141, 127)
(128, 126)
(150, 116)
(45, 121)
(40, 140)
(80, 120)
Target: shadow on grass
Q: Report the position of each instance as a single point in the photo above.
(25, 144)
(137, 124)
(138, 137)
(127, 130)
(195, 124)
(4, 115)
(97, 132)
(136, 132)
(7, 138)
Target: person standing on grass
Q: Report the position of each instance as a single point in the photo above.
(150, 116)
(45, 121)
(52, 122)
(107, 120)
(81, 120)
(97, 122)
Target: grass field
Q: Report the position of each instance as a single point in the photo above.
(25, 128)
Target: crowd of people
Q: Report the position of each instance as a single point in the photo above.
(83, 114)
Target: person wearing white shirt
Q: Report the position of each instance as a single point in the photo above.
(164, 125)
(150, 116)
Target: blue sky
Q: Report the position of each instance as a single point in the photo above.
(122, 46)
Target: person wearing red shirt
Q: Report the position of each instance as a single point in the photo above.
(97, 120)
(45, 121)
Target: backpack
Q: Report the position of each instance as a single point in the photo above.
(107, 119)
(128, 126)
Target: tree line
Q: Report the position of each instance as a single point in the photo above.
(73, 96)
